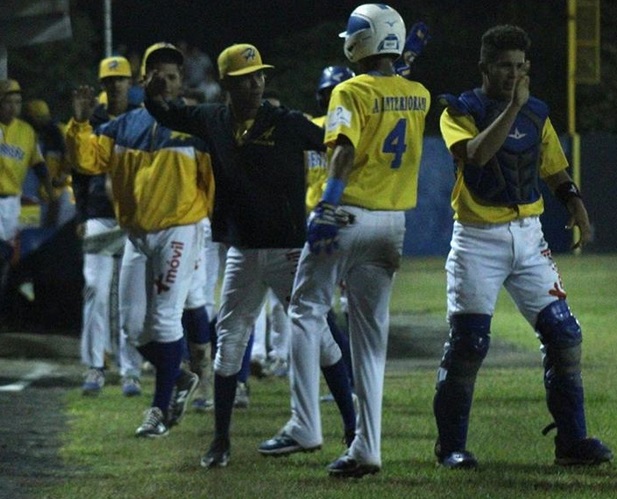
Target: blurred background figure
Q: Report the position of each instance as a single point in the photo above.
(19, 152)
(50, 133)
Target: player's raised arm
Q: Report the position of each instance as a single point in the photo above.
(84, 102)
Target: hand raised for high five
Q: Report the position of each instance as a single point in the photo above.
(84, 102)
(155, 86)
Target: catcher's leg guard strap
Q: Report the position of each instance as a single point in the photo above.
(561, 338)
(463, 355)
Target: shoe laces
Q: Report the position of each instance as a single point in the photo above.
(153, 417)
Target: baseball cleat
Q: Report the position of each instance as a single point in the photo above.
(283, 445)
(153, 425)
(462, 460)
(203, 404)
(347, 467)
(93, 382)
(217, 455)
(186, 384)
(585, 452)
(131, 386)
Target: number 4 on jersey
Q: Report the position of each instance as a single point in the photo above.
(394, 143)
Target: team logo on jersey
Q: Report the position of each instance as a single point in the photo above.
(180, 135)
(265, 139)
(517, 135)
(339, 116)
(13, 152)
(315, 159)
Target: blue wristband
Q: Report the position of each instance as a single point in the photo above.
(333, 191)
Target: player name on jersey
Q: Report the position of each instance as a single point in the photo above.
(398, 103)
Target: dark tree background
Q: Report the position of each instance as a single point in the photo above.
(300, 37)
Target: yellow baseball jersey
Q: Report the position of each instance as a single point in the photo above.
(383, 117)
(18, 152)
(160, 178)
(455, 128)
(316, 171)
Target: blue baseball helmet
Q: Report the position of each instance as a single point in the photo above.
(330, 78)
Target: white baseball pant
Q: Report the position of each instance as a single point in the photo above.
(368, 255)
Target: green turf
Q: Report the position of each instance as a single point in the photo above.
(104, 460)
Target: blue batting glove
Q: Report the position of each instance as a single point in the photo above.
(322, 231)
(414, 45)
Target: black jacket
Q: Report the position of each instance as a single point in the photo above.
(260, 186)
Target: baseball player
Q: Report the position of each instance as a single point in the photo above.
(317, 175)
(503, 143)
(18, 152)
(162, 188)
(259, 211)
(96, 218)
(375, 125)
(50, 135)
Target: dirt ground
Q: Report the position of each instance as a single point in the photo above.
(35, 373)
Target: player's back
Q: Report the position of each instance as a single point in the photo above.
(383, 117)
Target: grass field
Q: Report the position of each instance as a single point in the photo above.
(106, 461)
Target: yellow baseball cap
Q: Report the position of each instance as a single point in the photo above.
(9, 87)
(240, 59)
(157, 47)
(37, 108)
(114, 66)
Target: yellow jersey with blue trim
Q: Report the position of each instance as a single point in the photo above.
(160, 178)
(384, 118)
(19, 151)
(316, 170)
(467, 208)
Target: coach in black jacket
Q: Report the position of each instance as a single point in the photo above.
(259, 211)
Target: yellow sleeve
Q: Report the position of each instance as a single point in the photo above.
(88, 152)
(456, 128)
(553, 159)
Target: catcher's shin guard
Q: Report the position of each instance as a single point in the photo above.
(561, 338)
(463, 355)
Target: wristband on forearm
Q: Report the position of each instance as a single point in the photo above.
(567, 191)
(334, 191)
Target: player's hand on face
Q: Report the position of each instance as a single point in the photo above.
(520, 92)
(84, 102)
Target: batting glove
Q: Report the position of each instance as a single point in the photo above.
(322, 231)
(414, 45)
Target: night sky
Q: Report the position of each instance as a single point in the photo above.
(213, 25)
